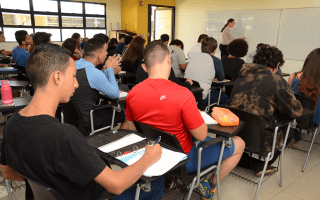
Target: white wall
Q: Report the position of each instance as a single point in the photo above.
(191, 18)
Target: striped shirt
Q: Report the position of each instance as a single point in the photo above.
(226, 36)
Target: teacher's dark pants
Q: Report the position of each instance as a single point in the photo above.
(223, 49)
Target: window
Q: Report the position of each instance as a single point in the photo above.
(61, 18)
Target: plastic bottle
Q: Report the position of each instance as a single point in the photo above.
(6, 93)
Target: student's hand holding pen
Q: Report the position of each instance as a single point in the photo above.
(153, 153)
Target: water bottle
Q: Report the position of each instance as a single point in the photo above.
(6, 93)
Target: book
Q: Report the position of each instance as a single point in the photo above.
(207, 118)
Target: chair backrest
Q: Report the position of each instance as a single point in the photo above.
(306, 102)
(42, 190)
(72, 115)
(153, 133)
(253, 132)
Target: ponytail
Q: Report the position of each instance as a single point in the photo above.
(224, 27)
(229, 21)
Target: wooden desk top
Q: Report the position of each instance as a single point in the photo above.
(227, 131)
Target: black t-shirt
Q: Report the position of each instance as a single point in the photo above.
(57, 154)
(232, 66)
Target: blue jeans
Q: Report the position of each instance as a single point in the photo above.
(209, 155)
(156, 192)
(296, 135)
(214, 95)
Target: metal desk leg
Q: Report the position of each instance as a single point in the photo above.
(8, 189)
(137, 192)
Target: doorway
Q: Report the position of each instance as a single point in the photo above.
(161, 20)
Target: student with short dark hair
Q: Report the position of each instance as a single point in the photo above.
(121, 44)
(20, 53)
(57, 153)
(41, 37)
(172, 108)
(232, 64)
(92, 81)
(71, 45)
(83, 41)
(204, 67)
(102, 36)
(197, 48)
(3, 52)
(112, 47)
(127, 40)
(178, 58)
(165, 39)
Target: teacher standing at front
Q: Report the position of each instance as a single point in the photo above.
(227, 37)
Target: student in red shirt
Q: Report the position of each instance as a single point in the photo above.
(167, 106)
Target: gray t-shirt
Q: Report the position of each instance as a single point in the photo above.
(177, 57)
(201, 69)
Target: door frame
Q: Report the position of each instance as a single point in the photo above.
(173, 20)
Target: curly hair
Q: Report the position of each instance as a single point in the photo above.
(268, 56)
(238, 48)
(309, 81)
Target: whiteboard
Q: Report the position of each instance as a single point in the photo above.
(258, 26)
(299, 32)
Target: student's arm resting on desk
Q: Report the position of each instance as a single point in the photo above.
(118, 181)
(219, 69)
(286, 102)
(182, 59)
(192, 118)
(6, 53)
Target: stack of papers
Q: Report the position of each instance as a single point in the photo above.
(123, 142)
(167, 161)
(208, 119)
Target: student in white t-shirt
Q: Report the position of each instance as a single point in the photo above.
(197, 48)
(178, 58)
(3, 52)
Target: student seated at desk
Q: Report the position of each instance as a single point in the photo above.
(197, 48)
(121, 44)
(306, 82)
(41, 37)
(92, 81)
(172, 108)
(232, 64)
(112, 47)
(35, 144)
(259, 91)
(133, 56)
(127, 40)
(3, 52)
(71, 45)
(142, 75)
(178, 58)
(20, 53)
(204, 67)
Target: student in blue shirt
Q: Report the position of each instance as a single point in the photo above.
(121, 44)
(306, 82)
(20, 53)
(92, 81)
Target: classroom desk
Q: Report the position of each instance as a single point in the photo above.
(19, 103)
(4, 71)
(221, 84)
(105, 138)
(124, 74)
(196, 90)
(284, 74)
(18, 85)
(226, 131)
(120, 100)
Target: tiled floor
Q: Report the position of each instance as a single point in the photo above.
(296, 184)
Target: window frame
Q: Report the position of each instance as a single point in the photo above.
(32, 14)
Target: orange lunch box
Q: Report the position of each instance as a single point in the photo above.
(225, 117)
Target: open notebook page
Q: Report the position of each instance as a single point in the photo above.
(207, 119)
(123, 142)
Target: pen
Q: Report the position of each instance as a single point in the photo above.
(157, 141)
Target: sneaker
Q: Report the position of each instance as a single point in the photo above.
(204, 189)
(294, 144)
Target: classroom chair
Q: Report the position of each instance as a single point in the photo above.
(306, 124)
(41, 190)
(252, 134)
(192, 180)
(70, 114)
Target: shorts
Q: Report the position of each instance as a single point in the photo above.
(209, 155)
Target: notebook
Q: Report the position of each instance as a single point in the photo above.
(167, 161)
(123, 142)
(207, 118)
